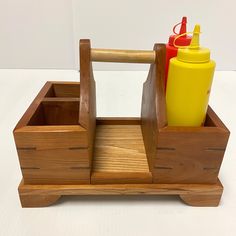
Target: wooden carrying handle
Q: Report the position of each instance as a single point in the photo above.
(127, 56)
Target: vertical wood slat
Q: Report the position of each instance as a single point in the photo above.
(87, 113)
(153, 115)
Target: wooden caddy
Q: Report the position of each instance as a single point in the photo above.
(64, 149)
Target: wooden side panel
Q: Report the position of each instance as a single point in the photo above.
(217, 122)
(54, 158)
(87, 114)
(51, 137)
(68, 89)
(64, 89)
(53, 154)
(57, 176)
(189, 156)
(153, 115)
(160, 98)
(61, 112)
(38, 117)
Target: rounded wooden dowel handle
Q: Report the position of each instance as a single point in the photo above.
(126, 56)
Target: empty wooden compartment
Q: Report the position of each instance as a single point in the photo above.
(51, 145)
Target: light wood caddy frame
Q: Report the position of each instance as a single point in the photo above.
(64, 149)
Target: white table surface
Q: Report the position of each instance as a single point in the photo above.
(118, 94)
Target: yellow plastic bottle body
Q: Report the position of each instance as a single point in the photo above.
(188, 90)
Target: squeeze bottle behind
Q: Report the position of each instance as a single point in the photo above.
(189, 84)
(184, 40)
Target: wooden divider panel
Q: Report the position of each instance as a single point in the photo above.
(87, 114)
(153, 115)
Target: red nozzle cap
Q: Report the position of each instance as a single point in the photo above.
(183, 26)
(183, 40)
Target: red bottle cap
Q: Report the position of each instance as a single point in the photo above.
(183, 40)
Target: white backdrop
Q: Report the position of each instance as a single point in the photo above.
(44, 34)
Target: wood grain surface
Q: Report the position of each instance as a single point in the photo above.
(87, 111)
(153, 114)
(64, 89)
(119, 155)
(190, 154)
(192, 194)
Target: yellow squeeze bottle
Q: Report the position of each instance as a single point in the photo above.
(189, 82)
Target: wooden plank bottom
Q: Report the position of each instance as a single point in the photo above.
(119, 154)
(191, 194)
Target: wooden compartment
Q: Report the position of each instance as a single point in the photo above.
(190, 155)
(51, 145)
(64, 90)
(179, 154)
(56, 112)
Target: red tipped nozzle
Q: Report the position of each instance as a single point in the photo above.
(183, 26)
